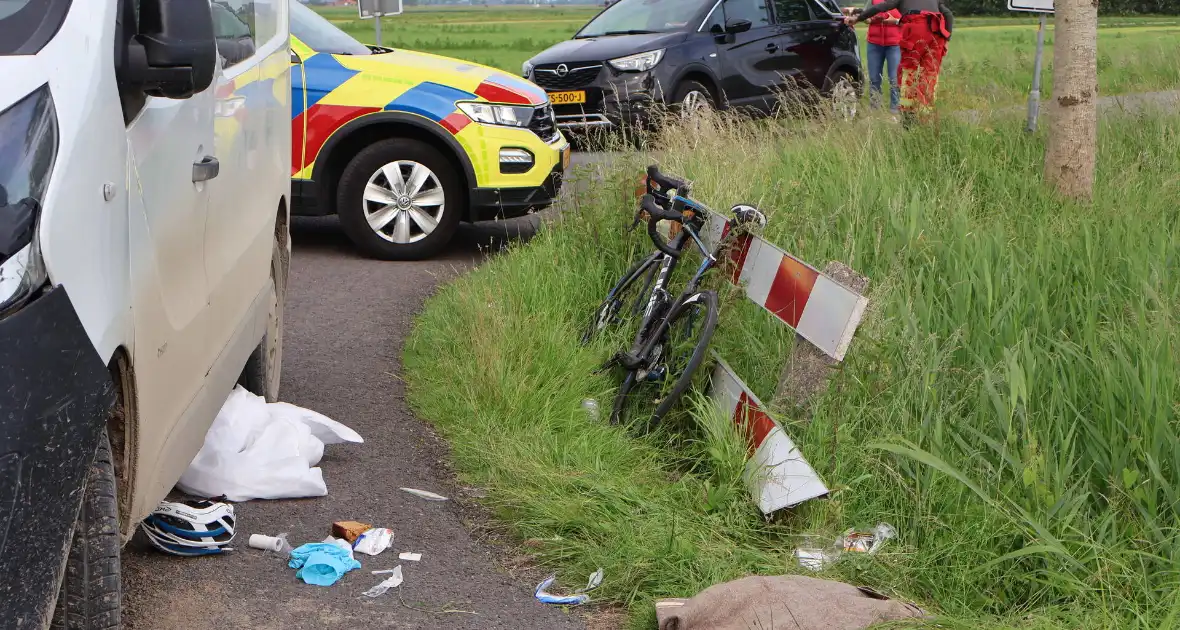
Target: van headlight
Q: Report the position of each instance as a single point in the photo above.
(492, 114)
(28, 148)
(526, 69)
(638, 63)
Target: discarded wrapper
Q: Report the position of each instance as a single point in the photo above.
(866, 542)
(373, 541)
(429, 496)
(393, 581)
(814, 559)
(577, 598)
(852, 541)
(410, 556)
(349, 530)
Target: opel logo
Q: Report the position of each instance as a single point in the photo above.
(562, 70)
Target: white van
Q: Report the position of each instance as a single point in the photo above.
(144, 188)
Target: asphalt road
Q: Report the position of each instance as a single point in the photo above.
(346, 321)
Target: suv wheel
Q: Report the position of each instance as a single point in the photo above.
(692, 97)
(399, 199)
(90, 596)
(844, 95)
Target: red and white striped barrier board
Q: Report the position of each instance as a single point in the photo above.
(776, 473)
(821, 310)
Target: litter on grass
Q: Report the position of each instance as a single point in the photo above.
(393, 581)
(429, 496)
(256, 450)
(409, 556)
(373, 541)
(590, 406)
(324, 563)
(852, 541)
(577, 598)
(866, 542)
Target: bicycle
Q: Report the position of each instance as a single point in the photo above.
(668, 325)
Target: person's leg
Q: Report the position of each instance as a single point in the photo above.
(876, 56)
(907, 70)
(893, 60)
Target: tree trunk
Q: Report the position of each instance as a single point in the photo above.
(1073, 118)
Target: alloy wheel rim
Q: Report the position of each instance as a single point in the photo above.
(845, 98)
(403, 202)
(694, 101)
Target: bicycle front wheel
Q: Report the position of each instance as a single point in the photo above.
(687, 332)
(682, 342)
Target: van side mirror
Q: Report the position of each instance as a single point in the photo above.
(173, 53)
(737, 25)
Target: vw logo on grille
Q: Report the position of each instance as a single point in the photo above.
(563, 70)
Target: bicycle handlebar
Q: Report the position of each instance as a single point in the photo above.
(655, 213)
(666, 182)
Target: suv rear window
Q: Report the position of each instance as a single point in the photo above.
(27, 25)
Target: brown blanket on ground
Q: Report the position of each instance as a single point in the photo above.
(784, 602)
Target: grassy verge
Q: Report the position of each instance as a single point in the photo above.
(1009, 404)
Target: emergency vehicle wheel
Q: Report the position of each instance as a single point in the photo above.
(90, 596)
(399, 199)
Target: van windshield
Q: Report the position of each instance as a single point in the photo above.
(633, 17)
(321, 35)
(27, 25)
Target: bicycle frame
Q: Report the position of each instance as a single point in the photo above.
(658, 304)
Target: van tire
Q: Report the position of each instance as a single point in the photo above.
(351, 205)
(90, 597)
(262, 374)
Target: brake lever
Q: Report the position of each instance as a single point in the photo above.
(637, 220)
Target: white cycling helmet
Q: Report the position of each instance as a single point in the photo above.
(192, 528)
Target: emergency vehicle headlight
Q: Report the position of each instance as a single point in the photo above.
(493, 114)
(28, 149)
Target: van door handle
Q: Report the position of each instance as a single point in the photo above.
(206, 169)
(772, 48)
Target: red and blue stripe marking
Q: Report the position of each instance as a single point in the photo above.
(324, 74)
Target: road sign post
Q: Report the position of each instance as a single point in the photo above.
(1044, 7)
(377, 9)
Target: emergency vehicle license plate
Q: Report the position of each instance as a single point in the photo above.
(567, 98)
(565, 158)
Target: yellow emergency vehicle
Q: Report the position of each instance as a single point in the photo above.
(404, 145)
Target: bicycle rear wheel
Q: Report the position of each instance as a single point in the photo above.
(682, 344)
(626, 300)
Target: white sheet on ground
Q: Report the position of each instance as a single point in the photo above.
(256, 450)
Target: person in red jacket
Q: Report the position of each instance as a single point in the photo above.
(884, 52)
(925, 29)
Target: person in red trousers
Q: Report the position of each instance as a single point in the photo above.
(925, 29)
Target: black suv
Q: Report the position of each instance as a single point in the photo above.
(695, 53)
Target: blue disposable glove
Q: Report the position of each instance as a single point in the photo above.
(322, 564)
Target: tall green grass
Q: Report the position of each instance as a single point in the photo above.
(1009, 404)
